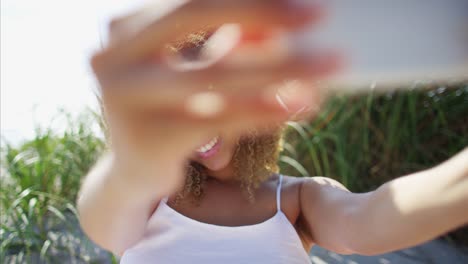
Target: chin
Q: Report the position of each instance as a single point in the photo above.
(215, 166)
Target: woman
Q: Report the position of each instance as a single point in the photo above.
(192, 176)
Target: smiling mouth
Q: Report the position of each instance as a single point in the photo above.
(209, 149)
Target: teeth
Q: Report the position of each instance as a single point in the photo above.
(208, 146)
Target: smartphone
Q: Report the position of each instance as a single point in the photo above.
(388, 44)
(385, 43)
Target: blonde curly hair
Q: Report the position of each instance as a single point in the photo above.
(255, 159)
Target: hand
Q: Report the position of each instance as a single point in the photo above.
(159, 107)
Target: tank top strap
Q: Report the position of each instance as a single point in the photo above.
(278, 193)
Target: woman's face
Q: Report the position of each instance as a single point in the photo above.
(216, 154)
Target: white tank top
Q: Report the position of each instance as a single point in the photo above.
(172, 238)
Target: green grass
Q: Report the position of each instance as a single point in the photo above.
(361, 141)
(367, 140)
(40, 181)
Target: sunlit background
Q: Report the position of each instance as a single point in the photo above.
(45, 48)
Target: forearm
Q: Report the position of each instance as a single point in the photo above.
(114, 205)
(412, 209)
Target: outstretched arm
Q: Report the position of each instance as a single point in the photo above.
(401, 213)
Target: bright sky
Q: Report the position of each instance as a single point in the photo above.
(45, 47)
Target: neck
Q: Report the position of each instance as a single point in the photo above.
(226, 175)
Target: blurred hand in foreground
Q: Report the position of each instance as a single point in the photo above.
(177, 73)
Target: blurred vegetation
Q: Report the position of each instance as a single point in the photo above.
(362, 141)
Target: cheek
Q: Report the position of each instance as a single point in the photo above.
(224, 157)
(230, 148)
(227, 152)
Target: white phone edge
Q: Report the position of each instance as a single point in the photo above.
(392, 44)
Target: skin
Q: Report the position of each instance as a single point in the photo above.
(222, 187)
(316, 206)
(220, 164)
(153, 134)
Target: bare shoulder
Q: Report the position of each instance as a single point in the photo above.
(296, 184)
(322, 183)
(292, 199)
(315, 188)
(290, 203)
(307, 196)
(292, 187)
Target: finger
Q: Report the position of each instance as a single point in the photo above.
(183, 132)
(150, 29)
(153, 88)
(187, 134)
(243, 113)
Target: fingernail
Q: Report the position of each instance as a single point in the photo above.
(205, 104)
(294, 95)
(270, 98)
